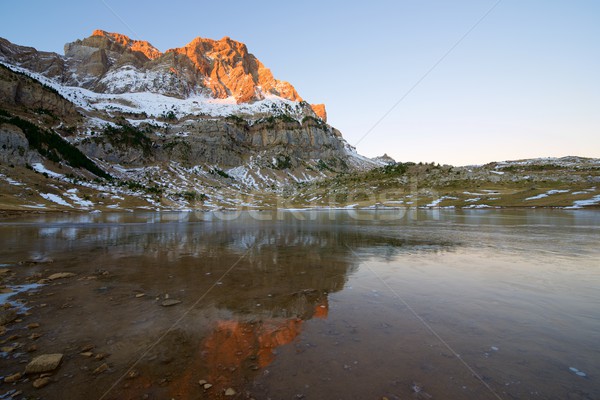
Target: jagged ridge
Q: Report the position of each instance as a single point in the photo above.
(109, 62)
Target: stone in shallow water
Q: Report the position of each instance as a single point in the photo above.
(41, 382)
(44, 363)
(170, 302)
(7, 316)
(60, 275)
(13, 378)
(101, 369)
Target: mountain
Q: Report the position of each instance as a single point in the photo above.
(193, 126)
(113, 63)
(116, 124)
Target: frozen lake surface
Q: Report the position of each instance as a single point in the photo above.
(472, 304)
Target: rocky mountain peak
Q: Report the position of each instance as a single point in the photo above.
(141, 46)
(108, 62)
(231, 71)
(384, 159)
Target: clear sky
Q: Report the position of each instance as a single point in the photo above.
(525, 82)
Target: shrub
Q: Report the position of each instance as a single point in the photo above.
(217, 171)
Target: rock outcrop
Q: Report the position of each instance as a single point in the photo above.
(14, 147)
(228, 144)
(18, 90)
(384, 159)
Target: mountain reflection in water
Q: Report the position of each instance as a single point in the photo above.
(298, 306)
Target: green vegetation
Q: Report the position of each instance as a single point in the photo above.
(316, 121)
(272, 120)
(283, 162)
(236, 120)
(52, 146)
(192, 196)
(44, 111)
(217, 171)
(543, 167)
(169, 115)
(393, 169)
(125, 135)
(138, 187)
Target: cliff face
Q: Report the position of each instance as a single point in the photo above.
(228, 144)
(18, 90)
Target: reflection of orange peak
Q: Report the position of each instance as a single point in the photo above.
(234, 341)
(234, 346)
(322, 309)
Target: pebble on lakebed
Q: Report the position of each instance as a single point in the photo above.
(170, 302)
(41, 382)
(44, 363)
(60, 275)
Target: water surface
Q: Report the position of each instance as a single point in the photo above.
(480, 304)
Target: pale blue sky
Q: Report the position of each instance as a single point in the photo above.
(524, 83)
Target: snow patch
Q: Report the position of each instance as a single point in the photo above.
(548, 193)
(72, 195)
(39, 167)
(55, 199)
(11, 181)
(587, 202)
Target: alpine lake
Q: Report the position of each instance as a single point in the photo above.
(317, 304)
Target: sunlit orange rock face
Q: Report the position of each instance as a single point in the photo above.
(141, 46)
(319, 109)
(225, 65)
(231, 71)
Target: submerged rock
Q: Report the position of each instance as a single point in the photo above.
(170, 302)
(60, 275)
(44, 363)
(41, 382)
(13, 378)
(7, 316)
(101, 369)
